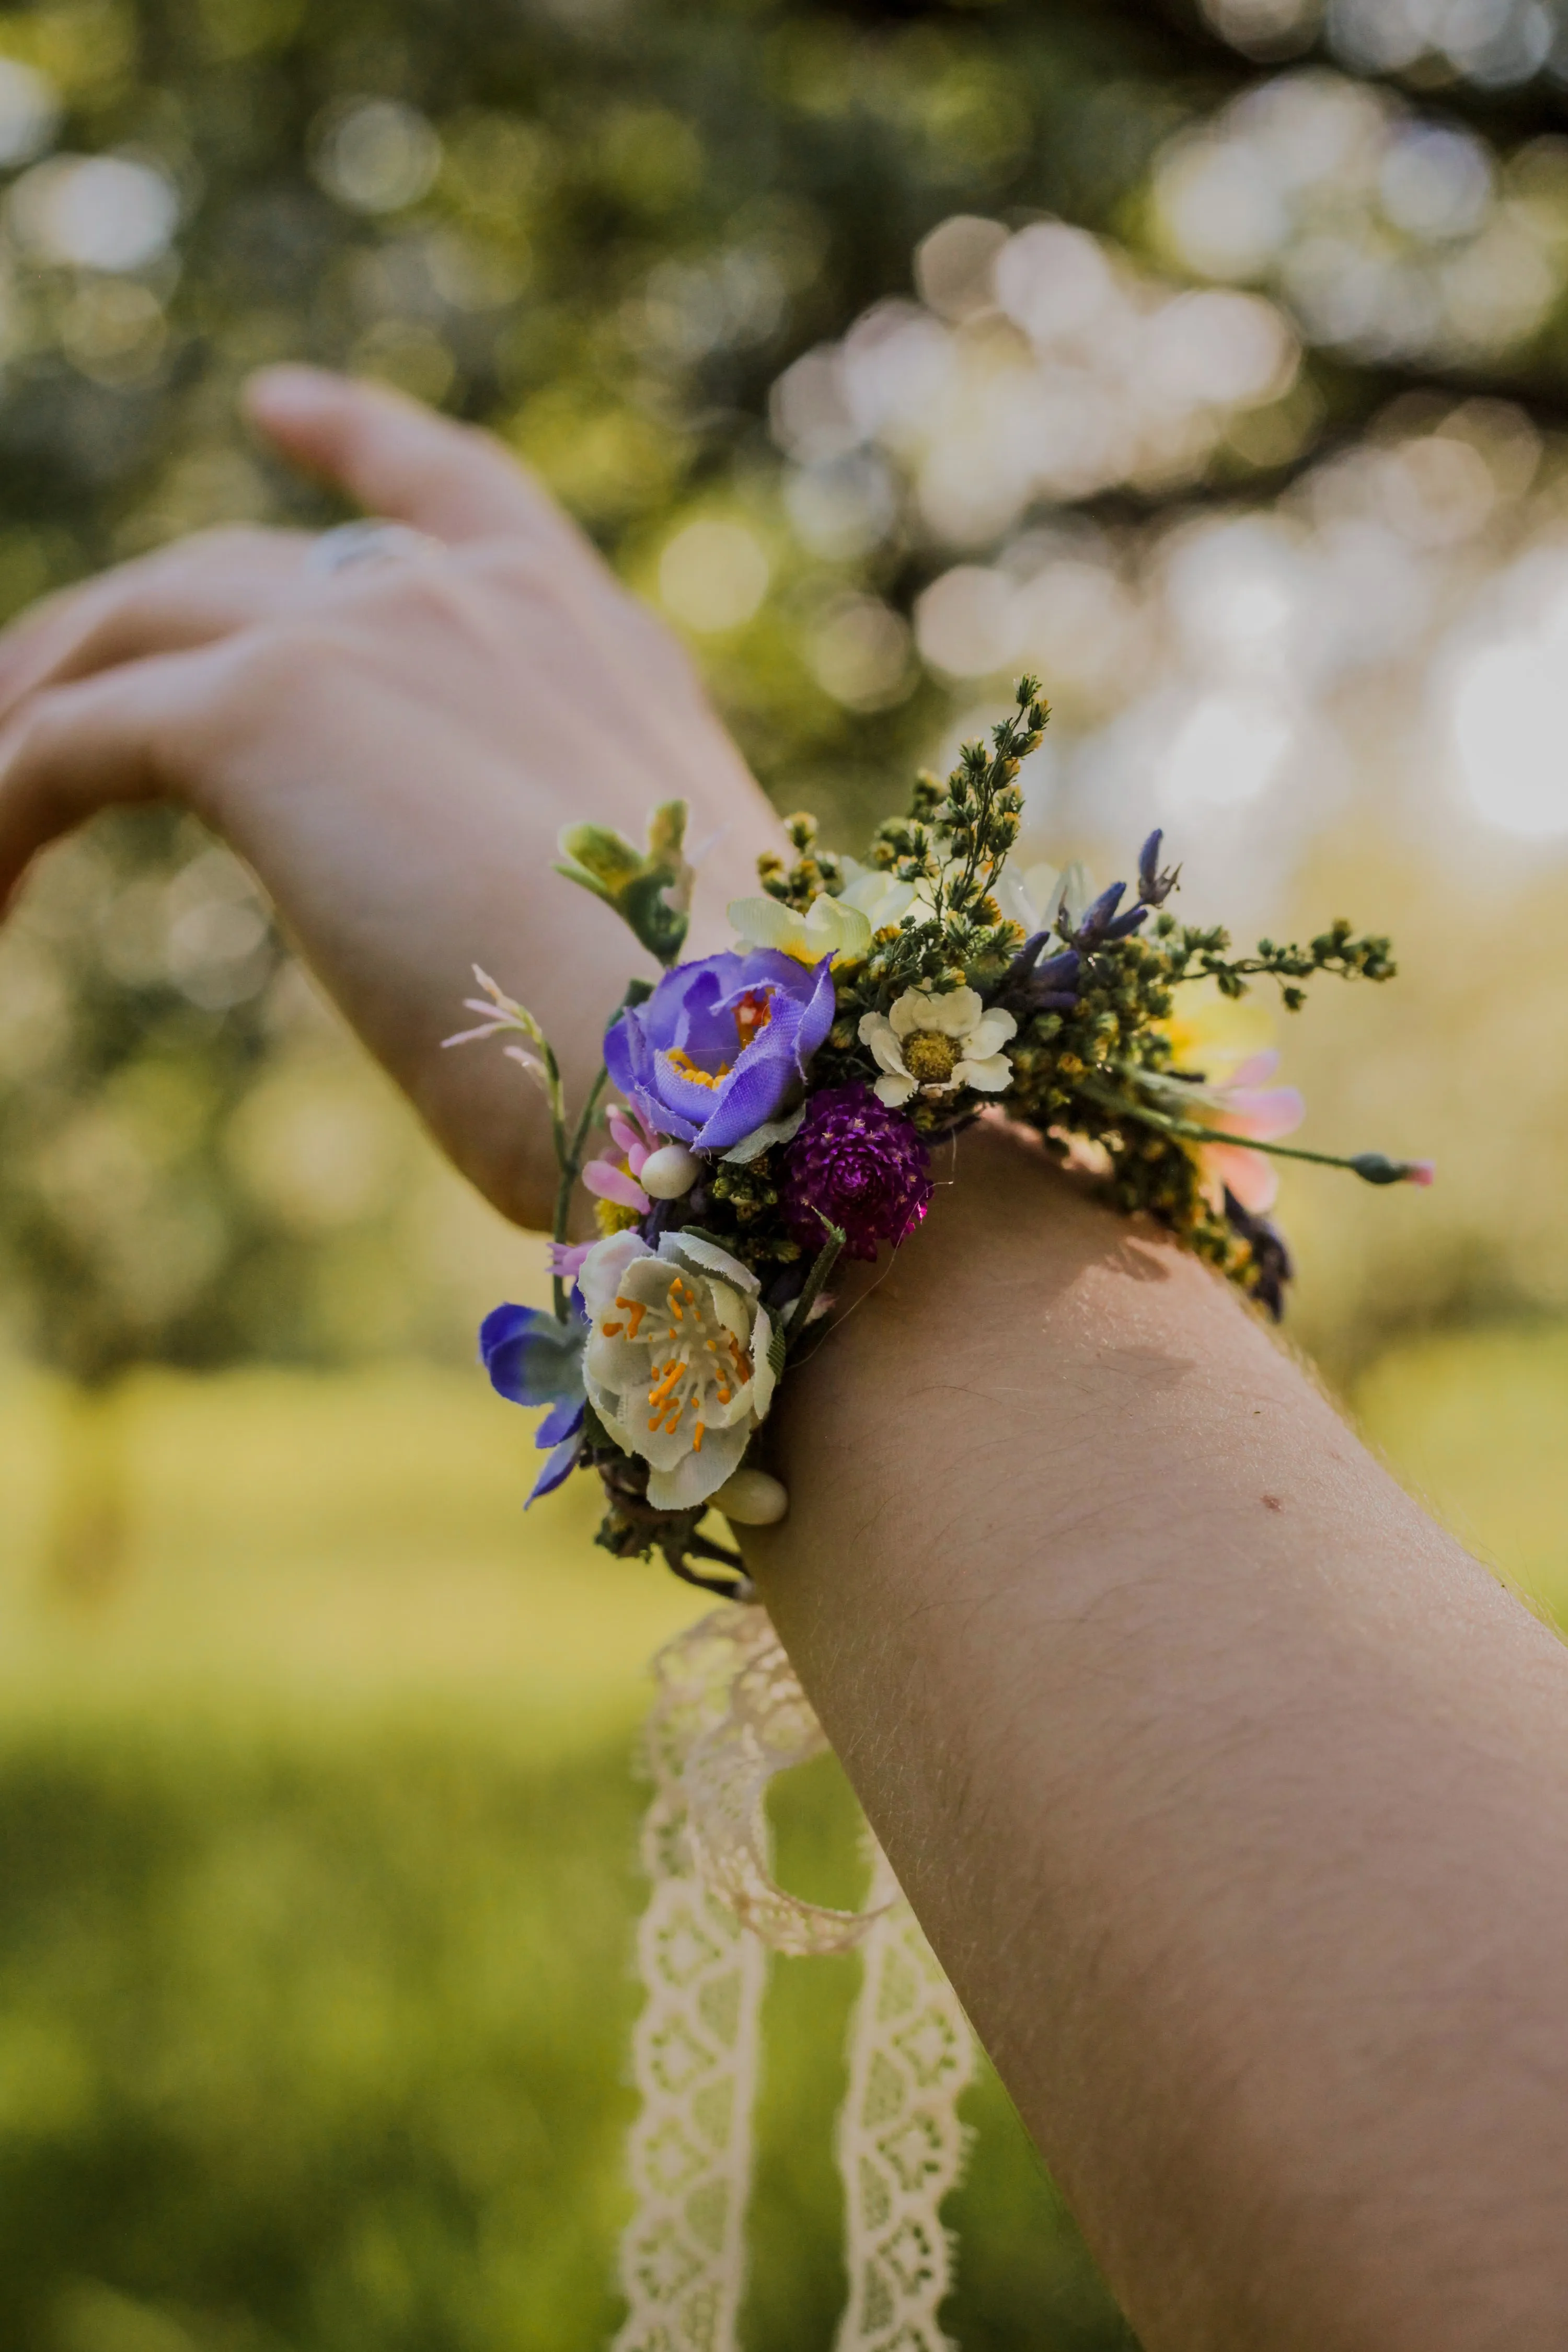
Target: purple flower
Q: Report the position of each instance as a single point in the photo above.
(720, 1043)
(565, 1258)
(1154, 886)
(1033, 986)
(532, 1360)
(860, 1166)
(1102, 923)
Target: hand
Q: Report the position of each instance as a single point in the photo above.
(393, 749)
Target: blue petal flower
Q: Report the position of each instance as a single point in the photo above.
(559, 1467)
(563, 1421)
(533, 1359)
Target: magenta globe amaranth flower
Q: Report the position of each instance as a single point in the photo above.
(859, 1166)
(721, 1044)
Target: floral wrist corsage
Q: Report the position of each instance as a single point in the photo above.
(777, 1104)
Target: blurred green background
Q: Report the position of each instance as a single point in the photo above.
(1210, 359)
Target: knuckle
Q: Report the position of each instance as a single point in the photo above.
(251, 675)
(521, 567)
(533, 573)
(43, 723)
(433, 599)
(230, 702)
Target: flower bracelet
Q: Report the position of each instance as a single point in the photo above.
(777, 1105)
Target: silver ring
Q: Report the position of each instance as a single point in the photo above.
(367, 543)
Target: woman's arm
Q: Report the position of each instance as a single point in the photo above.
(393, 749)
(1234, 1796)
(1232, 1793)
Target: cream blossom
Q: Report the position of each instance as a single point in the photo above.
(1035, 897)
(880, 897)
(676, 1363)
(828, 928)
(934, 1043)
(843, 928)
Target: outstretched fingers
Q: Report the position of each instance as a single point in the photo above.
(174, 602)
(397, 458)
(113, 738)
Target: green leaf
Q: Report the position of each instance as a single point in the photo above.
(650, 890)
(610, 860)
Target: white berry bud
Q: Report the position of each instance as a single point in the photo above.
(670, 1172)
(751, 1499)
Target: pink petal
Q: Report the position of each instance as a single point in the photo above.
(652, 1135)
(1257, 1070)
(1421, 1172)
(630, 1141)
(565, 1258)
(1265, 1115)
(613, 1184)
(1253, 1179)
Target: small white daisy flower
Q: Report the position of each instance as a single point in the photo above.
(934, 1044)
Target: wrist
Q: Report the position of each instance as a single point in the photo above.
(1015, 1337)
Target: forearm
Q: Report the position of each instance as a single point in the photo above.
(1232, 1793)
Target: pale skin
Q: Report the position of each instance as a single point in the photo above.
(1232, 1793)
(394, 749)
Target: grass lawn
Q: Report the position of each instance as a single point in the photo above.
(1474, 1422)
(317, 1836)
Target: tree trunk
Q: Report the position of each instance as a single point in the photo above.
(89, 1528)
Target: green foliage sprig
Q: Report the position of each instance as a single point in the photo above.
(649, 889)
(1203, 954)
(1092, 1061)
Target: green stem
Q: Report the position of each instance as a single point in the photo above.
(569, 1158)
(1190, 1132)
(822, 1266)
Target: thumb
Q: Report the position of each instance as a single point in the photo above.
(397, 458)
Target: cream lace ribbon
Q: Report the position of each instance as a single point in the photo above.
(728, 1715)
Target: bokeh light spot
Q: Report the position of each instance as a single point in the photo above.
(94, 212)
(1435, 182)
(1509, 721)
(860, 653)
(29, 111)
(713, 575)
(1227, 750)
(377, 155)
(964, 622)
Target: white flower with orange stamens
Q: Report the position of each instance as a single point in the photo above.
(676, 1362)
